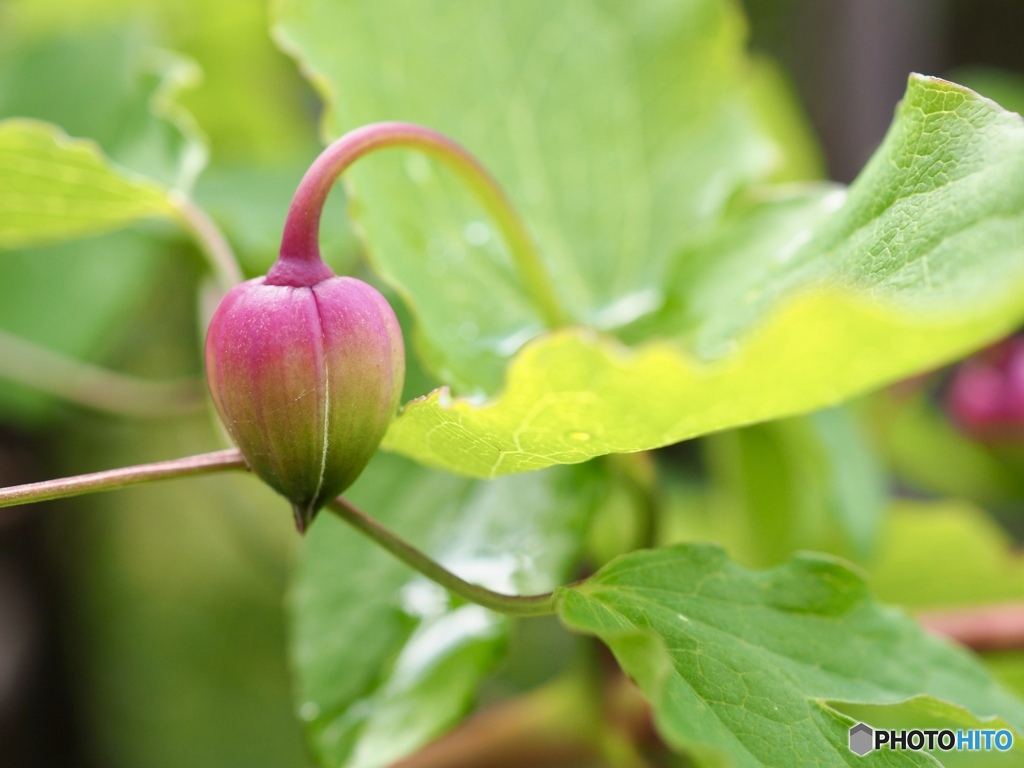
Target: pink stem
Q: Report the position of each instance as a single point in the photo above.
(112, 479)
(987, 628)
(300, 263)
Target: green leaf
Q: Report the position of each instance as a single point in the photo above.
(805, 483)
(801, 302)
(928, 452)
(385, 659)
(959, 557)
(740, 664)
(619, 130)
(1001, 85)
(925, 713)
(56, 188)
(113, 86)
(573, 395)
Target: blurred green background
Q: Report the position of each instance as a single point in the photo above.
(144, 628)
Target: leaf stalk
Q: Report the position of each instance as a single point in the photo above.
(512, 605)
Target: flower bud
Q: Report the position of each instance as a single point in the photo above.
(986, 393)
(306, 375)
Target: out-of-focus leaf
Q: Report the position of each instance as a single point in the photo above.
(619, 130)
(807, 483)
(385, 659)
(55, 188)
(250, 203)
(114, 87)
(779, 110)
(739, 665)
(947, 555)
(927, 452)
(176, 632)
(944, 555)
(72, 298)
(918, 264)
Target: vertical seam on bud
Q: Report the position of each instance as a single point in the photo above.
(327, 398)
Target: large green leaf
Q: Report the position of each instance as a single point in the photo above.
(793, 302)
(618, 129)
(741, 664)
(799, 303)
(386, 659)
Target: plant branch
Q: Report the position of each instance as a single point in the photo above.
(513, 605)
(112, 479)
(548, 727)
(93, 386)
(985, 628)
(302, 227)
(211, 240)
(553, 726)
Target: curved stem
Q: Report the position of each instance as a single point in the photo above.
(302, 227)
(513, 605)
(211, 240)
(92, 386)
(981, 628)
(190, 466)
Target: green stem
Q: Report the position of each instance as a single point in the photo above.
(300, 250)
(513, 605)
(212, 242)
(92, 386)
(112, 479)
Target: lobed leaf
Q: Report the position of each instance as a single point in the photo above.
(800, 303)
(741, 664)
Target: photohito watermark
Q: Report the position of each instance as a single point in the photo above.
(864, 739)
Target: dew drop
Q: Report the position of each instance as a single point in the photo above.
(309, 711)
(477, 233)
(579, 437)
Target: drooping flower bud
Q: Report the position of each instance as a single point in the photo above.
(306, 368)
(306, 379)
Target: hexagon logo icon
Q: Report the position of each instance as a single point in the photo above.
(862, 739)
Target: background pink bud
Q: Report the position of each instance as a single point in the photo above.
(306, 379)
(986, 393)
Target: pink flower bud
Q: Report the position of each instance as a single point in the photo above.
(306, 377)
(986, 394)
